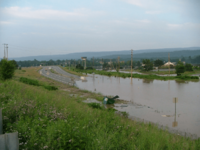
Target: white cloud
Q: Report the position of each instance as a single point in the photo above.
(174, 25)
(5, 22)
(135, 2)
(27, 12)
(153, 12)
(143, 21)
(185, 26)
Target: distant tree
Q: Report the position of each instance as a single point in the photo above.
(7, 69)
(180, 68)
(188, 67)
(158, 63)
(138, 63)
(148, 65)
(79, 67)
(89, 68)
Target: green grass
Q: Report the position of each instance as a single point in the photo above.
(54, 120)
(36, 83)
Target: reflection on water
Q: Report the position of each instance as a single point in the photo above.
(147, 80)
(152, 100)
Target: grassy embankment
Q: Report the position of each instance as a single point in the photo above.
(141, 76)
(55, 120)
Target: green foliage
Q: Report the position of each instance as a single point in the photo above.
(148, 65)
(49, 87)
(95, 105)
(188, 67)
(89, 68)
(29, 81)
(7, 69)
(158, 63)
(36, 83)
(14, 63)
(79, 67)
(180, 68)
(185, 77)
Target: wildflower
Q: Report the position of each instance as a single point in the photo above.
(70, 140)
(35, 144)
(45, 147)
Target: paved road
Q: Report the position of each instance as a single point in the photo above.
(61, 71)
(67, 79)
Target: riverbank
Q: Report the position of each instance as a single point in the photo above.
(134, 75)
(59, 120)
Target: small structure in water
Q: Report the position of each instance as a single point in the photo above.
(107, 100)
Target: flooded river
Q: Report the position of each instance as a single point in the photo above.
(152, 100)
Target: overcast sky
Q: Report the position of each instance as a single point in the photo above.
(48, 27)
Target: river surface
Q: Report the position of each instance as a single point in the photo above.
(152, 100)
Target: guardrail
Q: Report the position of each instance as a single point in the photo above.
(8, 141)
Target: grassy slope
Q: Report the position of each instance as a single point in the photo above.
(55, 120)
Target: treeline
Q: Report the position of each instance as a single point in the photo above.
(105, 62)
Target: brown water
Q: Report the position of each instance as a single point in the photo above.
(152, 100)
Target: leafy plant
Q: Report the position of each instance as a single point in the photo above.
(7, 69)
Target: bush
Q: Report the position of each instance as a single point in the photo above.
(89, 68)
(95, 105)
(36, 83)
(29, 81)
(188, 67)
(79, 67)
(48, 87)
(180, 68)
(7, 69)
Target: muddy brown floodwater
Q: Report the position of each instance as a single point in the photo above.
(152, 100)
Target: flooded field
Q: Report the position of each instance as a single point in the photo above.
(152, 100)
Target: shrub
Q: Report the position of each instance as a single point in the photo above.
(180, 68)
(48, 87)
(7, 69)
(36, 83)
(29, 81)
(188, 67)
(95, 105)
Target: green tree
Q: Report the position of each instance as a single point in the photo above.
(79, 67)
(180, 68)
(138, 64)
(148, 65)
(7, 69)
(158, 63)
(14, 63)
(188, 67)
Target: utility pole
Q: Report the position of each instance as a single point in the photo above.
(5, 51)
(93, 62)
(118, 64)
(131, 64)
(169, 62)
